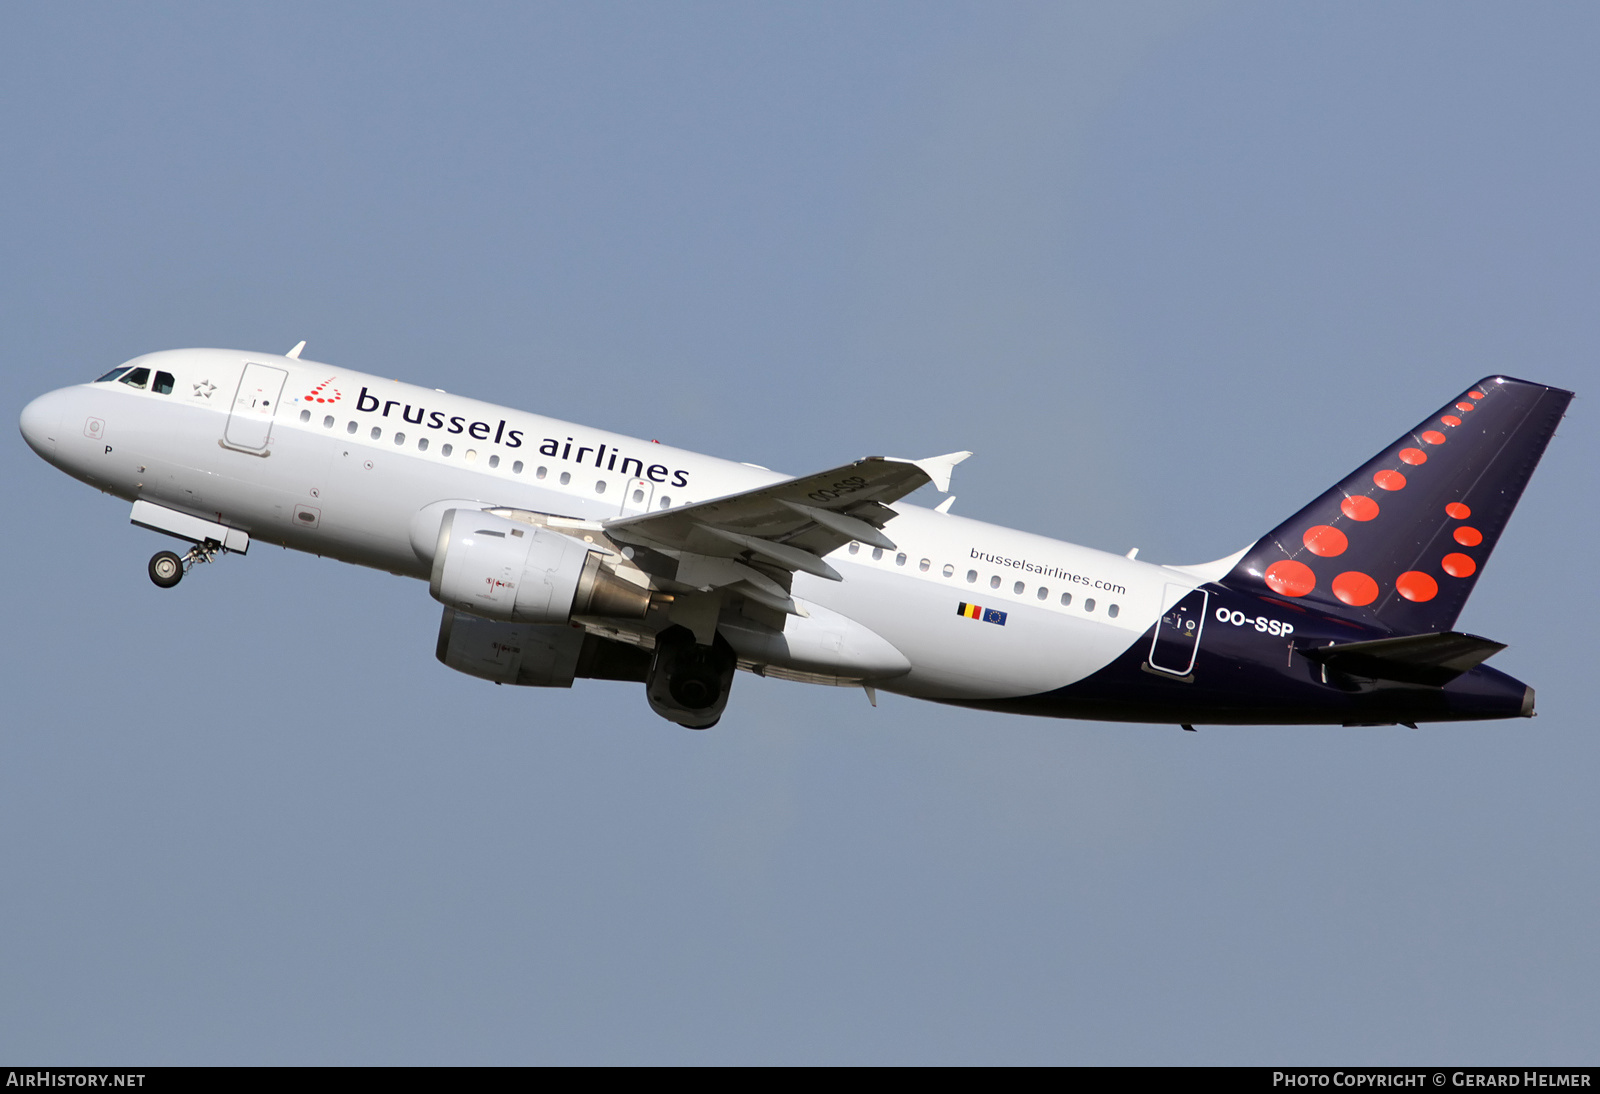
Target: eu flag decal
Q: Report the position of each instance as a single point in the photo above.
(986, 615)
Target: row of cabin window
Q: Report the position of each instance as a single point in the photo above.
(1019, 588)
(472, 457)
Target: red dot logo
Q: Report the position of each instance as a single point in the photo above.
(1450, 419)
(1359, 508)
(1474, 394)
(1458, 511)
(1290, 578)
(1464, 407)
(1355, 588)
(1413, 456)
(1389, 480)
(1468, 536)
(1325, 541)
(1459, 565)
(1433, 436)
(1416, 586)
(322, 393)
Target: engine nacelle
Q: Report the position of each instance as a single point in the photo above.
(502, 569)
(689, 683)
(526, 654)
(536, 655)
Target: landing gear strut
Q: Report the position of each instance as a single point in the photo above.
(167, 568)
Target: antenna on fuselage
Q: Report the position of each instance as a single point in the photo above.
(294, 354)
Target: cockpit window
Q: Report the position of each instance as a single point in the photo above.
(163, 383)
(138, 378)
(113, 374)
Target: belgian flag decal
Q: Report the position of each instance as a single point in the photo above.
(984, 615)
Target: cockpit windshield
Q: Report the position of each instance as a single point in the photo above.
(113, 374)
(139, 378)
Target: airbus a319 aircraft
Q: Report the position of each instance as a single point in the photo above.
(561, 552)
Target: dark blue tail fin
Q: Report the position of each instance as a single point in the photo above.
(1401, 541)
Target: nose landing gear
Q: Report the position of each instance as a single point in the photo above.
(167, 568)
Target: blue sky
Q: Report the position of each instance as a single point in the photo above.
(1169, 270)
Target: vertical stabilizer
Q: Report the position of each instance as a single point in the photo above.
(1401, 541)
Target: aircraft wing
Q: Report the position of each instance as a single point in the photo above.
(756, 541)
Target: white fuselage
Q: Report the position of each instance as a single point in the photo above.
(347, 466)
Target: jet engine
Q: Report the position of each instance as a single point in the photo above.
(689, 683)
(502, 569)
(540, 655)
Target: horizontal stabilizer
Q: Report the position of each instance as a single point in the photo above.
(1432, 659)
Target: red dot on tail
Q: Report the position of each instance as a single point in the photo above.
(1468, 536)
(1458, 511)
(1290, 578)
(1464, 407)
(1413, 456)
(1389, 480)
(1433, 437)
(1325, 541)
(1355, 588)
(1474, 394)
(1416, 586)
(1359, 508)
(1450, 419)
(1459, 565)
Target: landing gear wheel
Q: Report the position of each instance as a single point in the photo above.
(166, 569)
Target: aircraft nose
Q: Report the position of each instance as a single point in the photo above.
(41, 422)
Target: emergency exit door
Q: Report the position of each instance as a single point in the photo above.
(636, 497)
(254, 403)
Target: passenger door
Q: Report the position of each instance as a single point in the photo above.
(1177, 639)
(250, 418)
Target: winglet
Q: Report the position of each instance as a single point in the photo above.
(938, 468)
(295, 353)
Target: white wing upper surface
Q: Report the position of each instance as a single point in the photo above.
(757, 540)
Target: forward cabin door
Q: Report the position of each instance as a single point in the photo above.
(250, 418)
(1177, 639)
